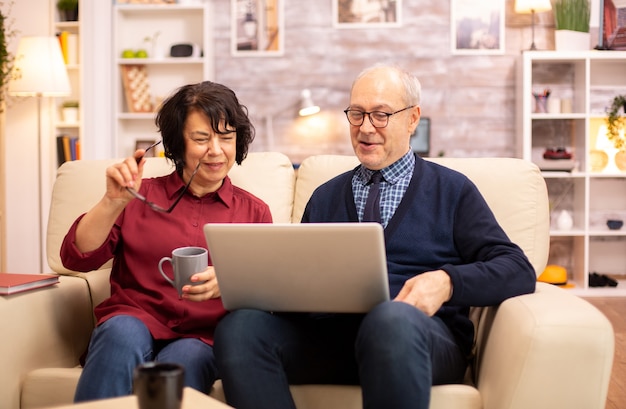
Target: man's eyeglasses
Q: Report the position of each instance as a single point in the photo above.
(378, 119)
(152, 205)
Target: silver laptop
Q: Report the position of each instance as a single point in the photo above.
(304, 267)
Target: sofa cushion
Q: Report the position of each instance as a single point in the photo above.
(314, 171)
(46, 387)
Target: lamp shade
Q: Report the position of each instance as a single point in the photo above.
(39, 68)
(528, 6)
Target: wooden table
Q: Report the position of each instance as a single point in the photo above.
(192, 399)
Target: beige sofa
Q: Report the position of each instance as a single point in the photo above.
(546, 350)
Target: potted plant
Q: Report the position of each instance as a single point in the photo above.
(616, 122)
(68, 10)
(6, 58)
(571, 19)
(69, 110)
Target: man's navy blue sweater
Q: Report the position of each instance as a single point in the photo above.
(442, 222)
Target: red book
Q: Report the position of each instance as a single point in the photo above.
(15, 283)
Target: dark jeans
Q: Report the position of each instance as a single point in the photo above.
(121, 343)
(395, 352)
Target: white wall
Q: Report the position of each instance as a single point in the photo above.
(19, 164)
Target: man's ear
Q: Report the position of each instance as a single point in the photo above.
(416, 114)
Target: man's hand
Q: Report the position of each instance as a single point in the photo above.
(427, 291)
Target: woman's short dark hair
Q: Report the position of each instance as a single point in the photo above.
(218, 102)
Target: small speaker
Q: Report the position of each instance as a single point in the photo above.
(185, 50)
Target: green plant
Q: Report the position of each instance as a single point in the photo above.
(67, 4)
(6, 58)
(572, 15)
(615, 122)
(70, 104)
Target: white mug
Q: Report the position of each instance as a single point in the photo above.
(186, 261)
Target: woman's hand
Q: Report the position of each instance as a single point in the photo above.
(124, 174)
(93, 229)
(205, 291)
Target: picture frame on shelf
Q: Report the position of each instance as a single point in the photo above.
(612, 29)
(366, 13)
(257, 28)
(144, 144)
(146, 1)
(477, 27)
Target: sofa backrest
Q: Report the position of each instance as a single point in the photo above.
(80, 184)
(513, 188)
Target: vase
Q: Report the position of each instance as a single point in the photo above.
(565, 221)
(70, 115)
(69, 15)
(568, 40)
(598, 160)
(541, 103)
(620, 160)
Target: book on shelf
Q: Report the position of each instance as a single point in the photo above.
(68, 42)
(11, 283)
(68, 148)
(62, 36)
(72, 49)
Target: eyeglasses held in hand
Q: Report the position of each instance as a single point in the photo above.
(155, 206)
(378, 119)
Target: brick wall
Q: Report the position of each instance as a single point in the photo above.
(470, 99)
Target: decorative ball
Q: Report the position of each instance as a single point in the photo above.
(599, 159)
(614, 224)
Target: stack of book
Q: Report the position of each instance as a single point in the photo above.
(68, 148)
(69, 47)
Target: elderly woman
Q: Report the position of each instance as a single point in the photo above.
(205, 130)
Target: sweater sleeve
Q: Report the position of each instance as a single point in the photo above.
(493, 268)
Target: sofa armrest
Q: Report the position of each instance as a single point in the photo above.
(549, 349)
(47, 327)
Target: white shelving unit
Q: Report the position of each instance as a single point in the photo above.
(182, 23)
(586, 81)
(72, 129)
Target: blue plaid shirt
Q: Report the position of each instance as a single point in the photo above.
(395, 181)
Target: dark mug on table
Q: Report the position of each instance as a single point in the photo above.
(158, 385)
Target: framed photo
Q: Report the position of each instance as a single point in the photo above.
(257, 28)
(367, 13)
(477, 26)
(143, 144)
(613, 24)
